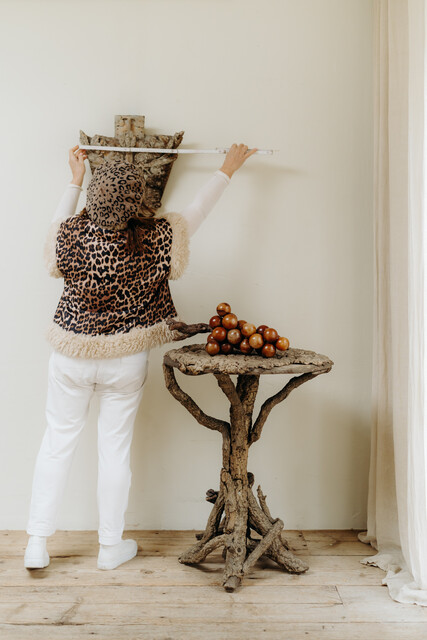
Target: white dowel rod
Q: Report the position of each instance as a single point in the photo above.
(154, 150)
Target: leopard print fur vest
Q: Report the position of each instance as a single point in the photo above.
(114, 302)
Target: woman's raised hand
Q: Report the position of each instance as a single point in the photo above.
(76, 158)
(235, 157)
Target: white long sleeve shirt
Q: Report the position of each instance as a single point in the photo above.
(195, 212)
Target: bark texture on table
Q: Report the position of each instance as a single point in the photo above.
(193, 360)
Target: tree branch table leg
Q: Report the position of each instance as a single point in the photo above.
(199, 551)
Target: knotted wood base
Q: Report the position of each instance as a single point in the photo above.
(236, 515)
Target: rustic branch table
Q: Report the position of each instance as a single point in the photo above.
(235, 499)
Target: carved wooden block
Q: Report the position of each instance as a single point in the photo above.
(129, 131)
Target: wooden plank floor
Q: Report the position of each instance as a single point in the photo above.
(154, 597)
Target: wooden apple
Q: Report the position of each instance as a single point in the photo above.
(261, 328)
(212, 348)
(270, 334)
(219, 333)
(282, 343)
(215, 321)
(248, 329)
(226, 348)
(256, 340)
(229, 321)
(234, 336)
(268, 350)
(244, 346)
(223, 308)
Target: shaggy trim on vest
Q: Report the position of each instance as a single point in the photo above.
(180, 253)
(49, 251)
(109, 346)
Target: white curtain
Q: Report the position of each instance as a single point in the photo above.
(397, 502)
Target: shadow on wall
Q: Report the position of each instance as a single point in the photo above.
(315, 449)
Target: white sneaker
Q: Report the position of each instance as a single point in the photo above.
(36, 555)
(112, 555)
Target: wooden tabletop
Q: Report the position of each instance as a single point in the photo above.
(194, 360)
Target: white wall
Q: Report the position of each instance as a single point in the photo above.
(289, 244)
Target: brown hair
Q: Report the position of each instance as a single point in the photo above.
(134, 244)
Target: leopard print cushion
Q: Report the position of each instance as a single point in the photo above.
(115, 193)
(107, 290)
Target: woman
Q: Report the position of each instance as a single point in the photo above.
(116, 258)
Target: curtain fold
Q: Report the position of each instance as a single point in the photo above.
(397, 499)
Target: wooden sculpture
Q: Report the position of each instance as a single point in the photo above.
(129, 131)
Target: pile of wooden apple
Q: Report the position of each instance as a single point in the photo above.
(229, 334)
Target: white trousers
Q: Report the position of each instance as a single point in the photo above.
(119, 382)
